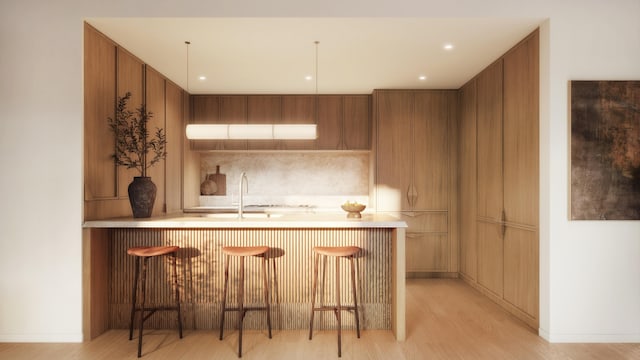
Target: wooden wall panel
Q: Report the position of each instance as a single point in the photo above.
(175, 129)
(96, 272)
(200, 268)
(467, 178)
(130, 79)
(191, 162)
(154, 99)
(99, 101)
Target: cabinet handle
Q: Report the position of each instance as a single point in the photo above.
(503, 223)
(412, 195)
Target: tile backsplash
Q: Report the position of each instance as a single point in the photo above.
(308, 178)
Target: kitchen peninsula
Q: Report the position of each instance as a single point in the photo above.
(291, 237)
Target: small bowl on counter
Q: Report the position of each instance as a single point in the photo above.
(353, 209)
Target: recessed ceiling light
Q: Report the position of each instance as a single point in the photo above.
(448, 46)
(308, 77)
(202, 78)
(422, 77)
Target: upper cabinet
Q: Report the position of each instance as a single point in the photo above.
(412, 149)
(344, 121)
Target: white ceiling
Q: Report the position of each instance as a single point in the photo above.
(355, 55)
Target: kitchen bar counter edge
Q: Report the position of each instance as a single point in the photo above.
(184, 221)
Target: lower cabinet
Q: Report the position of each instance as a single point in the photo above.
(427, 241)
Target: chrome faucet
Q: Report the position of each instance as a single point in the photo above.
(243, 177)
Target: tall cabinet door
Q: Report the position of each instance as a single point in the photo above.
(394, 165)
(521, 176)
(490, 182)
(467, 185)
(431, 150)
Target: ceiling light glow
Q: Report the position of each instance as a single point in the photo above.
(202, 78)
(308, 77)
(448, 46)
(422, 77)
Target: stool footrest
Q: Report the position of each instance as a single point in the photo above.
(334, 308)
(246, 309)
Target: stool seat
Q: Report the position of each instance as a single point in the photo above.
(336, 250)
(152, 250)
(245, 250)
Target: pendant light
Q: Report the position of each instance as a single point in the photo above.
(253, 131)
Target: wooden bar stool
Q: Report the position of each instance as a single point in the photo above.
(346, 252)
(144, 253)
(242, 252)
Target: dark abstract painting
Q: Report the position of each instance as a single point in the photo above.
(605, 150)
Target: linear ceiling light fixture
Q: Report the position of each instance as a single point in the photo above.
(252, 131)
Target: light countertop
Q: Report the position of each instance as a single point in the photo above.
(252, 220)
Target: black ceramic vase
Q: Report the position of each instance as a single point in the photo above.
(142, 195)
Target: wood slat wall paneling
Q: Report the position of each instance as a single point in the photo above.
(200, 265)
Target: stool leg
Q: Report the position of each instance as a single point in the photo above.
(313, 293)
(240, 305)
(224, 294)
(133, 297)
(177, 290)
(144, 289)
(355, 300)
(266, 292)
(338, 307)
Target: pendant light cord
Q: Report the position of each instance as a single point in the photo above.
(317, 42)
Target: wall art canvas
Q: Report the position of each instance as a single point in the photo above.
(605, 150)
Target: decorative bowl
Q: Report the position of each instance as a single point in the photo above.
(353, 209)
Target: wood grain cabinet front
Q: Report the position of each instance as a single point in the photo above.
(415, 171)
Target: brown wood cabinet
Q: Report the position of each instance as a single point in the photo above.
(344, 121)
(414, 171)
(501, 258)
(298, 109)
(217, 109)
(467, 185)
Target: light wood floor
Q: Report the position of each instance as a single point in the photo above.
(446, 320)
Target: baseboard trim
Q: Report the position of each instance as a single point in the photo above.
(42, 338)
(590, 338)
(431, 275)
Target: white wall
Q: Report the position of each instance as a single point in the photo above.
(590, 271)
